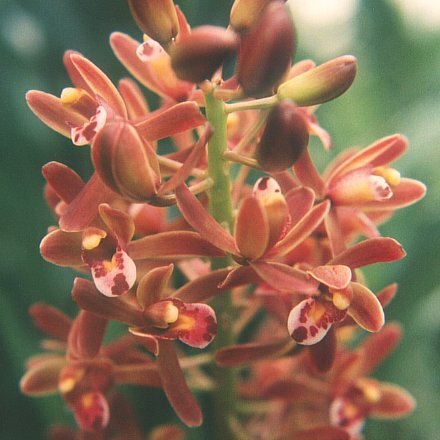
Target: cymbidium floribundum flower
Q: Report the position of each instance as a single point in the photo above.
(264, 232)
(157, 317)
(87, 373)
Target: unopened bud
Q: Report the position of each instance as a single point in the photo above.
(266, 52)
(284, 138)
(245, 13)
(125, 162)
(320, 84)
(196, 56)
(156, 18)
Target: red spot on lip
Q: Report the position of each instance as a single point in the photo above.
(120, 285)
(262, 184)
(299, 334)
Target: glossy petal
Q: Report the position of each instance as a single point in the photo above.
(157, 74)
(251, 229)
(85, 294)
(175, 387)
(379, 153)
(407, 192)
(152, 286)
(197, 216)
(371, 251)
(241, 354)
(84, 208)
(394, 402)
(84, 134)
(50, 320)
(172, 120)
(333, 276)
(99, 83)
(307, 173)
(310, 320)
(301, 230)
(366, 309)
(63, 180)
(42, 379)
(53, 113)
(299, 201)
(116, 276)
(285, 278)
(191, 162)
(378, 346)
(135, 102)
(174, 244)
(118, 222)
(62, 248)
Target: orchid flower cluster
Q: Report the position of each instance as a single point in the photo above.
(233, 239)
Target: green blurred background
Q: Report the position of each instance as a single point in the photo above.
(397, 90)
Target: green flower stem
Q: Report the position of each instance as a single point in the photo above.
(255, 104)
(220, 206)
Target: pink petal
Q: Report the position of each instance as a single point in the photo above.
(84, 208)
(53, 113)
(116, 276)
(99, 83)
(333, 276)
(175, 387)
(197, 216)
(196, 325)
(310, 320)
(137, 106)
(240, 354)
(42, 378)
(74, 75)
(165, 84)
(335, 232)
(366, 309)
(62, 248)
(394, 402)
(174, 244)
(378, 346)
(239, 276)
(371, 251)
(301, 230)
(203, 287)
(299, 201)
(172, 120)
(251, 229)
(84, 134)
(50, 320)
(119, 223)
(86, 335)
(152, 285)
(407, 192)
(380, 153)
(345, 414)
(63, 180)
(285, 278)
(191, 162)
(307, 173)
(386, 295)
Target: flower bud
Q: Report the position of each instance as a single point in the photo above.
(196, 56)
(125, 162)
(320, 84)
(266, 52)
(156, 18)
(284, 138)
(245, 13)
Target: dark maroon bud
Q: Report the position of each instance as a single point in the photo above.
(266, 51)
(196, 56)
(284, 138)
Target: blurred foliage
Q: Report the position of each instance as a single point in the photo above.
(397, 90)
